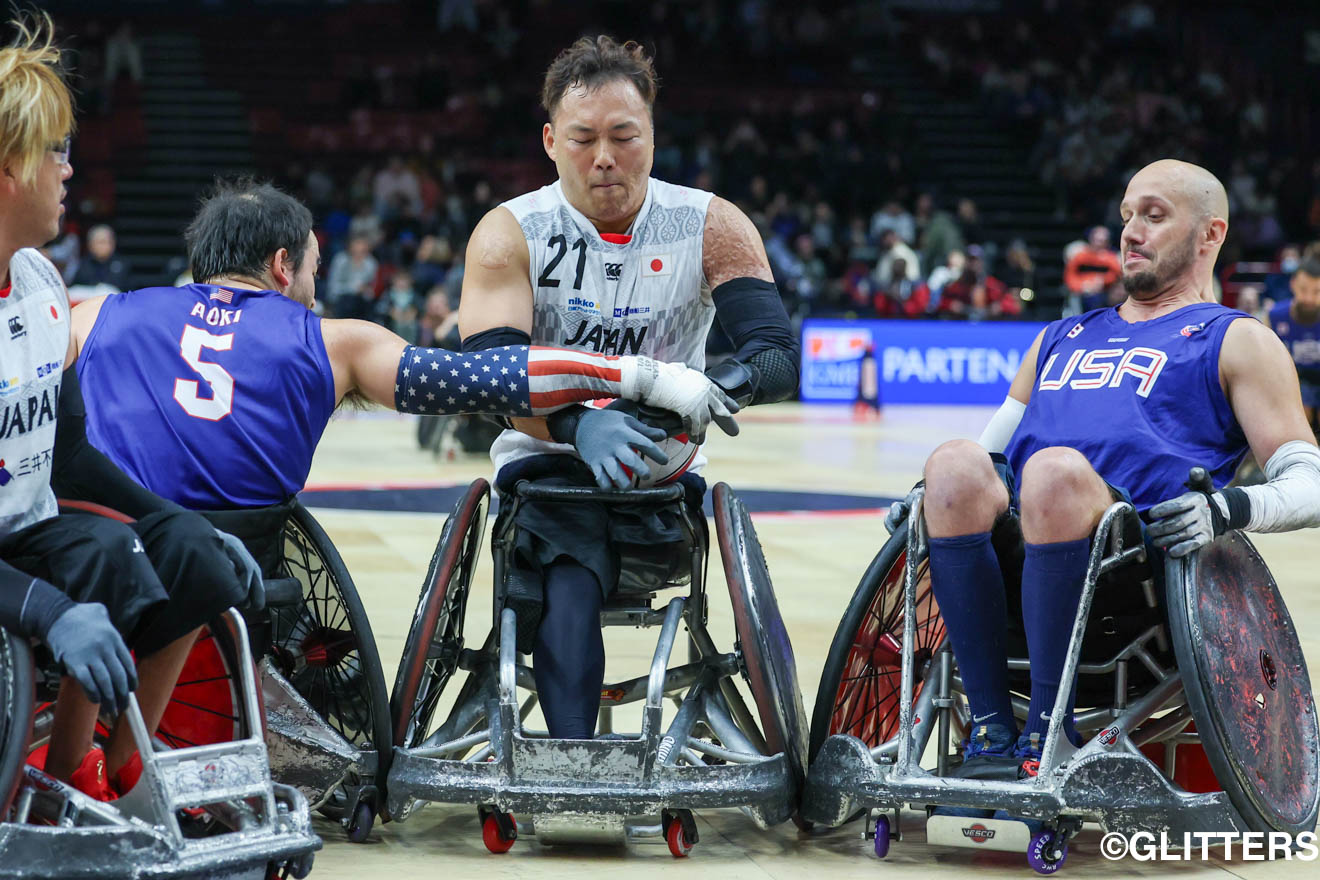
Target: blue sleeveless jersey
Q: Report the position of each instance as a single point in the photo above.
(1302, 340)
(212, 397)
(1142, 401)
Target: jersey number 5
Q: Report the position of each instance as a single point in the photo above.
(221, 401)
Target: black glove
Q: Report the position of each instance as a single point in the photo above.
(249, 573)
(86, 644)
(609, 441)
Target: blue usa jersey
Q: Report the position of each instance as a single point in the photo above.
(1142, 401)
(1302, 340)
(212, 397)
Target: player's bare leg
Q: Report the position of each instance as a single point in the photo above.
(71, 730)
(157, 675)
(1062, 497)
(964, 494)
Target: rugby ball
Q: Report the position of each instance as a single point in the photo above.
(682, 452)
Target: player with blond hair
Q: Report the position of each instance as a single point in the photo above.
(87, 586)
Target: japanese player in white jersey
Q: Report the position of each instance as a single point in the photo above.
(89, 587)
(608, 259)
(1120, 402)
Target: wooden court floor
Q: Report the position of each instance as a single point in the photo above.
(815, 559)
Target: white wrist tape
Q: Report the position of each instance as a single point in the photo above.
(1291, 498)
(1002, 424)
(637, 375)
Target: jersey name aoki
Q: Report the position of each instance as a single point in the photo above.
(1105, 367)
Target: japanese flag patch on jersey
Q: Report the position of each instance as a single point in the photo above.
(657, 264)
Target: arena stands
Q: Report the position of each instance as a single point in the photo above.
(967, 150)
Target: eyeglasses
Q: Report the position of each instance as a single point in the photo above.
(61, 150)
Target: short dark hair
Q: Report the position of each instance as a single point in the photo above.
(1310, 267)
(593, 61)
(240, 224)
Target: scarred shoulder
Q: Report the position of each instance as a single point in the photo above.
(497, 243)
(497, 291)
(731, 247)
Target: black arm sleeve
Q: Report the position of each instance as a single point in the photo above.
(81, 472)
(28, 605)
(752, 315)
(496, 337)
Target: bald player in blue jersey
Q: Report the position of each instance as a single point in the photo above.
(215, 394)
(1120, 402)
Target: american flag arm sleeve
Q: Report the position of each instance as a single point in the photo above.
(515, 380)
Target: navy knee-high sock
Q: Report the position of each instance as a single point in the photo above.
(964, 575)
(1052, 576)
(569, 658)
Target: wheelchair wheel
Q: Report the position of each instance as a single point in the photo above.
(16, 690)
(861, 684)
(1246, 683)
(204, 705)
(435, 639)
(325, 647)
(765, 648)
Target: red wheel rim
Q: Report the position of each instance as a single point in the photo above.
(203, 707)
(867, 701)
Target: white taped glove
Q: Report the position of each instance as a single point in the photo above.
(681, 390)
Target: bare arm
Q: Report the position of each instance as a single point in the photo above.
(497, 290)
(1260, 381)
(731, 247)
(363, 357)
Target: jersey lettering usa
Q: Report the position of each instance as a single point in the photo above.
(210, 396)
(1142, 401)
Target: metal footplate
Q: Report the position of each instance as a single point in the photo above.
(595, 786)
(140, 835)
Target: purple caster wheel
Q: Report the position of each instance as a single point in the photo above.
(881, 837)
(1046, 854)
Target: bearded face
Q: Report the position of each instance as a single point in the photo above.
(1147, 270)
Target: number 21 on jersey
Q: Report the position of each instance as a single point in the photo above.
(221, 401)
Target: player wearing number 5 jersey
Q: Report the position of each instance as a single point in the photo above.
(215, 394)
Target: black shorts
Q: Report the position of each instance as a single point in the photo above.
(159, 578)
(1119, 609)
(594, 535)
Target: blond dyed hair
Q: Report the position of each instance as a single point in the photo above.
(36, 107)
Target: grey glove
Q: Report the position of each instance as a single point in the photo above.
(249, 573)
(609, 441)
(899, 510)
(1188, 522)
(86, 644)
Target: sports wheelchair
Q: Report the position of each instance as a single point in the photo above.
(206, 810)
(1206, 725)
(327, 708)
(615, 787)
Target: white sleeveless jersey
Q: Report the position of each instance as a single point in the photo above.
(34, 338)
(647, 297)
